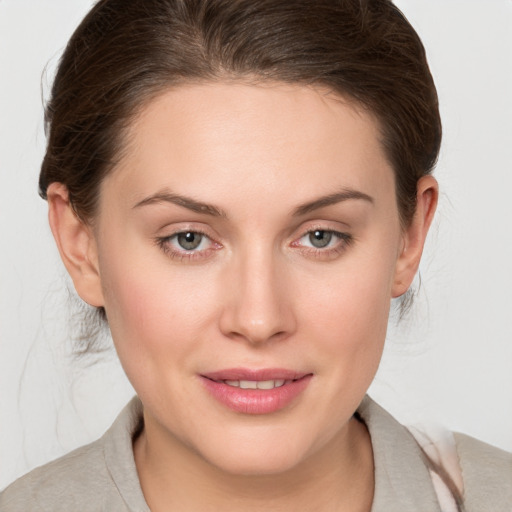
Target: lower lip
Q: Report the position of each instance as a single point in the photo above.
(256, 401)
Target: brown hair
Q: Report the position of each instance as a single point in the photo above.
(125, 52)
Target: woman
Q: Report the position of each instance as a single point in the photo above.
(241, 188)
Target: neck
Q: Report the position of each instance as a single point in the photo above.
(337, 477)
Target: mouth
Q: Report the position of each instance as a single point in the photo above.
(256, 391)
(255, 384)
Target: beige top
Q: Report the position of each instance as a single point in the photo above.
(102, 475)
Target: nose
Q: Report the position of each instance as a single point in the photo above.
(258, 300)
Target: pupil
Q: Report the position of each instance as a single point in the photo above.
(320, 239)
(189, 240)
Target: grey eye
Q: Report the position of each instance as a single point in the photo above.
(320, 239)
(189, 240)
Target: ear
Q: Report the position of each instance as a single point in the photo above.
(76, 243)
(415, 234)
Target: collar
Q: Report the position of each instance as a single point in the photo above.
(118, 450)
(402, 480)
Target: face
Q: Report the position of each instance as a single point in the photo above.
(249, 238)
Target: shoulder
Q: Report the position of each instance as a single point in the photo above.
(62, 484)
(487, 475)
(403, 466)
(100, 476)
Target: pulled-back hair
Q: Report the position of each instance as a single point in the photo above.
(126, 52)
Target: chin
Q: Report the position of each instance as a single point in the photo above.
(256, 464)
(257, 455)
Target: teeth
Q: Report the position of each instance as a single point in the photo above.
(255, 384)
(248, 384)
(266, 384)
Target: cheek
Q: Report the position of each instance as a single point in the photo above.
(351, 330)
(347, 314)
(153, 311)
(354, 299)
(155, 314)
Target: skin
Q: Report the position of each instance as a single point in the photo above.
(256, 293)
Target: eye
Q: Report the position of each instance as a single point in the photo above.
(323, 239)
(320, 239)
(191, 245)
(189, 240)
(323, 243)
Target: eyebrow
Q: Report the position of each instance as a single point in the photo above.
(184, 201)
(209, 209)
(338, 197)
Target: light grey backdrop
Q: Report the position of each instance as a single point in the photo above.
(450, 361)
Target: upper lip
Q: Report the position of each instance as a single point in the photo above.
(255, 374)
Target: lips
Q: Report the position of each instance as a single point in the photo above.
(250, 391)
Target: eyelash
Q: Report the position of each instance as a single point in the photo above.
(165, 244)
(344, 241)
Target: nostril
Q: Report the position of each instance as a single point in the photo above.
(254, 306)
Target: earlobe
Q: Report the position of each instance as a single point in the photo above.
(76, 244)
(415, 234)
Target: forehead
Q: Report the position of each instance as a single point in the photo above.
(215, 137)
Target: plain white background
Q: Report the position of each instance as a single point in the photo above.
(449, 361)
